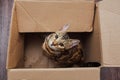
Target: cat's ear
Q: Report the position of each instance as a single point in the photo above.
(72, 43)
(65, 28)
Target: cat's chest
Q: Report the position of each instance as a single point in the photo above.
(66, 57)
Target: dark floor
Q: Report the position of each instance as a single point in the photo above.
(5, 14)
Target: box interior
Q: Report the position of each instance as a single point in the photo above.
(34, 53)
(20, 43)
(38, 15)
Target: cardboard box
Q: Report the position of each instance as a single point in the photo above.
(100, 44)
(37, 16)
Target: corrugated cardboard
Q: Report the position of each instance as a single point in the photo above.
(16, 43)
(54, 74)
(50, 15)
(109, 11)
(26, 23)
(104, 40)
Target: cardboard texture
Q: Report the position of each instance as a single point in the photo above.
(100, 44)
(53, 74)
(16, 43)
(50, 15)
(110, 31)
(17, 47)
(34, 54)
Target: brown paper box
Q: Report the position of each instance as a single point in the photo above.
(100, 44)
(110, 31)
(50, 15)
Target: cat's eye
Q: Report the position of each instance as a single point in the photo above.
(61, 44)
(65, 37)
(56, 36)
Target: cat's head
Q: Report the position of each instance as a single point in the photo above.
(60, 40)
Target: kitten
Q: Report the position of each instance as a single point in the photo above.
(64, 51)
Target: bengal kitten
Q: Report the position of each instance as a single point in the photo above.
(64, 51)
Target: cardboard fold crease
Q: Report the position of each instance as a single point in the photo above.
(38, 16)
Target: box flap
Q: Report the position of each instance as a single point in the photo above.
(51, 15)
(55, 74)
(109, 11)
(15, 44)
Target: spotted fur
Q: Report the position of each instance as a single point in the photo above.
(63, 50)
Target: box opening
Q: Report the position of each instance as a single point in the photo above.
(33, 57)
(91, 42)
(34, 53)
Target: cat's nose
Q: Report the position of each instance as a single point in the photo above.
(54, 43)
